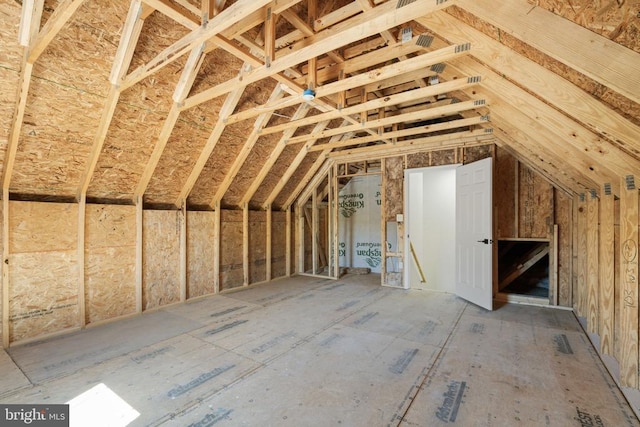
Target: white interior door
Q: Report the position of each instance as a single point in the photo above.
(474, 233)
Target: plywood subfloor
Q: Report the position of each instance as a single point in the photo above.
(316, 352)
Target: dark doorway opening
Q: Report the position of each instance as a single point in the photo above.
(523, 267)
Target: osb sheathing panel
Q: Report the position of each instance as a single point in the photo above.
(504, 193)
(296, 179)
(228, 148)
(187, 140)
(274, 175)
(615, 20)
(161, 260)
(255, 161)
(231, 270)
(622, 105)
(261, 152)
(65, 98)
(10, 63)
(562, 211)
(43, 270)
(200, 274)
(278, 244)
(257, 246)
(139, 115)
(192, 130)
(535, 201)
(55, 140)
(110, 262)
(394, 187)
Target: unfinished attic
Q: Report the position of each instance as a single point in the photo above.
(155, 152)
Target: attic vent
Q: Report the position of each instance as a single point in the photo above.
(473, 79)
(463, 47)
(478, 102)
(607, 188)
(437, 68)
(485, 118)
(582, 197)
(593, 193)
(407, 34)
(488, 130)
(403, 3)
(424, 40)
(631, 184)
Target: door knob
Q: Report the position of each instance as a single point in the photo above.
(485, 241)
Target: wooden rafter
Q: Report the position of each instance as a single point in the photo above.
(546, 84)
(368, 23)
(397, 69)
(216, 25)
(124, 54)
(422, 114)
(413, 95)
(319, 168)
(611, 64)
(239, 160)
(169, 9)
(418, 130)
(252, 60)
(185, 83)
(389, 37)
(535, 163)
(304, 30)
(292, 168)
(302, 111)
(64, 11)
(429, 142)
(29, 27)
(229, 105)
(269, 37)
(603, 165)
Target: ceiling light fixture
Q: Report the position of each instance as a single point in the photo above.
(308, 95)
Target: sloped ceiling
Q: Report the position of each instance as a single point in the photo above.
(176, 101)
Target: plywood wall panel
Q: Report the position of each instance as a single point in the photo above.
(505, 193)
(231, 273)
(42, 227)
(43, 297)
(110, 255)
(43, 270)
(109, 283)
(200, 274)
(535, 199)
(278, 244)
(257, 246)
(161, 260)
(563, 217)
